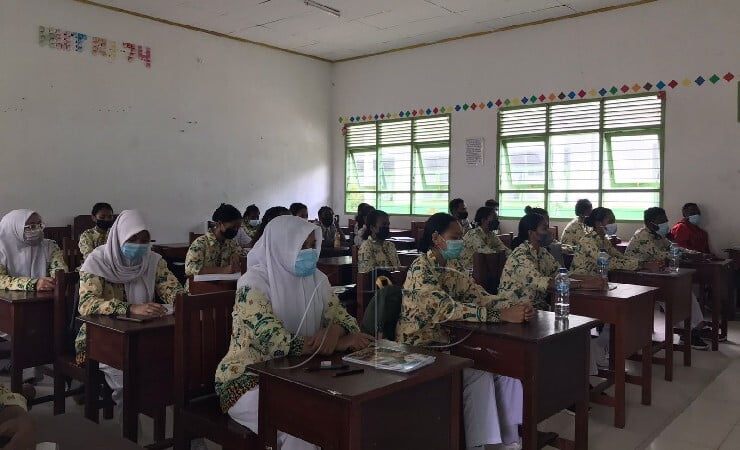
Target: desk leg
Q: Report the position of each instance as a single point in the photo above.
(92, 390)
(647, 373)
(130, 413)
(668, 343)
(266, 430)
(620, 376)
(529, 425)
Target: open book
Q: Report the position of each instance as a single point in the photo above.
(388, 355)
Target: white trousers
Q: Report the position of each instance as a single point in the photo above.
(492, 408)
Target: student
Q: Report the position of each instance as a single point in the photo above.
(90, 239)
(27, 260)
(433, 295)
(328, 226)
(376, 252)
(15, 421)
(459, 211)
(363, 209)
(300, 210)
(575, 229)
(121, 277)
(216, 251)
(649, 243)
(687, 233)
(251, 221)
(602, 224)
(270, 214)
(482, 239)
(284, 307)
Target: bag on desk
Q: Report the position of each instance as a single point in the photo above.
(387, 304)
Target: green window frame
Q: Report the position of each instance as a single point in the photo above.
(617, 147)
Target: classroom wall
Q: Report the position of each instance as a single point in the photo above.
(211, 121)
(667, 39)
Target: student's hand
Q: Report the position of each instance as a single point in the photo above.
(516, 313)
(354, 342)
(654, 266)
(16, 424)
(148, 309)
(45, 284)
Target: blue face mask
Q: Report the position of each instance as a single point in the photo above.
(610, 229)
(662, 229)
(134, 252)
(695, 219)
(254, 223)
(305, 263)
(453, 250)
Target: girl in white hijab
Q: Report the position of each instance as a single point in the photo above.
(284, 306)
(27, 260)
(123, 277)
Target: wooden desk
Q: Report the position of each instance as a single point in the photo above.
(675, 292)
(72, 431)
(629, 309)
(548, 355)
(407, 257)
(145, 353)
(374, 410)
(328, 252)
(403, 242)
(718, 275)
(28, 319)
(337, 268)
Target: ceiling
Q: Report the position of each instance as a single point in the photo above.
(365, 26)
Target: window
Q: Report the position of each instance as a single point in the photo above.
(607, 150)
(399, 166)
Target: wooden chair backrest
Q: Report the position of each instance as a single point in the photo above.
(71, 252)
(507, 239)
(58, 234)
(202, 336)
(417, 231)
(193, 236)
(487, 269)
(65, 290)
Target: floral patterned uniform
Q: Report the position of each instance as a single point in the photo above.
(587, 253)
(249, 229)
(207, 251)
(375, 255)
(526, 275)
(478, 240)
(11, 283)
(8, 398)
(433, 295)
(90, 240)
(98, 296)
(573, 233)
(257, 335)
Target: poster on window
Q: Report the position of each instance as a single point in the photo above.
(474, 151)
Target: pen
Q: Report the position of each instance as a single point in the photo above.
(349, 372)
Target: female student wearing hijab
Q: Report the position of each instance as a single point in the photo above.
(27, 260)
(217, 251)
(432, 295)
(482, 239)
(284, 306)
(90, 239)
(121, 277)
(376, 252)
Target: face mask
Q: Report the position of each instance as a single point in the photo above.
(545, 239)
(305, 263)
(695, 219)
(254, 222)
(494, 225)
(104, 224)
(384, 233)
(33, 237)
(134, 252)
(230, 233)
(463, 215)
(453, 250)
(610, 229)
(662, 229)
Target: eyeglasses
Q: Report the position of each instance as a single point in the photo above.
(34, 227)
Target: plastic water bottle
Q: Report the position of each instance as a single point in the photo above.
(562, 294)
(603, 264)
(674, 260)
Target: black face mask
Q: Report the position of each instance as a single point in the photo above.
(384, 233)
(104, 224)
(230, 233)
(462, 215)
(494, 225)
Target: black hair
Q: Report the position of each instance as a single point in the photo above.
(270, 214)
(363, 209)
(100, 206)
(250, 209)
(438, 223)
(528, 223)
(226, 213)
(492, 203)
(651, 214)
(482, 213)
(583, 206)
(296, 207)
(371, 220)
(597, 215)
(455, 203)
(535, 210)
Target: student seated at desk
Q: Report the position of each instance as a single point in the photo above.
(687, 233)
(270, 214)
(649, 243)
(329, 228)
(376, 252)
(251, 221)
(284, 306)
(433, 295)
(27, 260)
(482, 238)
(15, 421)
(216, 251)
(363, 209)
(90, 239)
(299, 210)
(576, 229)
(121, 277)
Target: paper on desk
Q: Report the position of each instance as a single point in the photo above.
(218, 277)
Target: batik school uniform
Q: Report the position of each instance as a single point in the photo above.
(432, 296)
(572, 234)
(207, 251)
(478, 240)
(374, 254)
(90, 240)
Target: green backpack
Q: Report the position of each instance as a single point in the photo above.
(387, 304)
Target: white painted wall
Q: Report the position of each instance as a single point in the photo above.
(76, 129)
(662, 40)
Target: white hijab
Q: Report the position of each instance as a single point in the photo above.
(271, 270)
(19, 258)
(108, 262)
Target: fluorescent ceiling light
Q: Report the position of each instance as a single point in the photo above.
(326, 9)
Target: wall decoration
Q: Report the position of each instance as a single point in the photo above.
(80, 42)
(659, 86)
